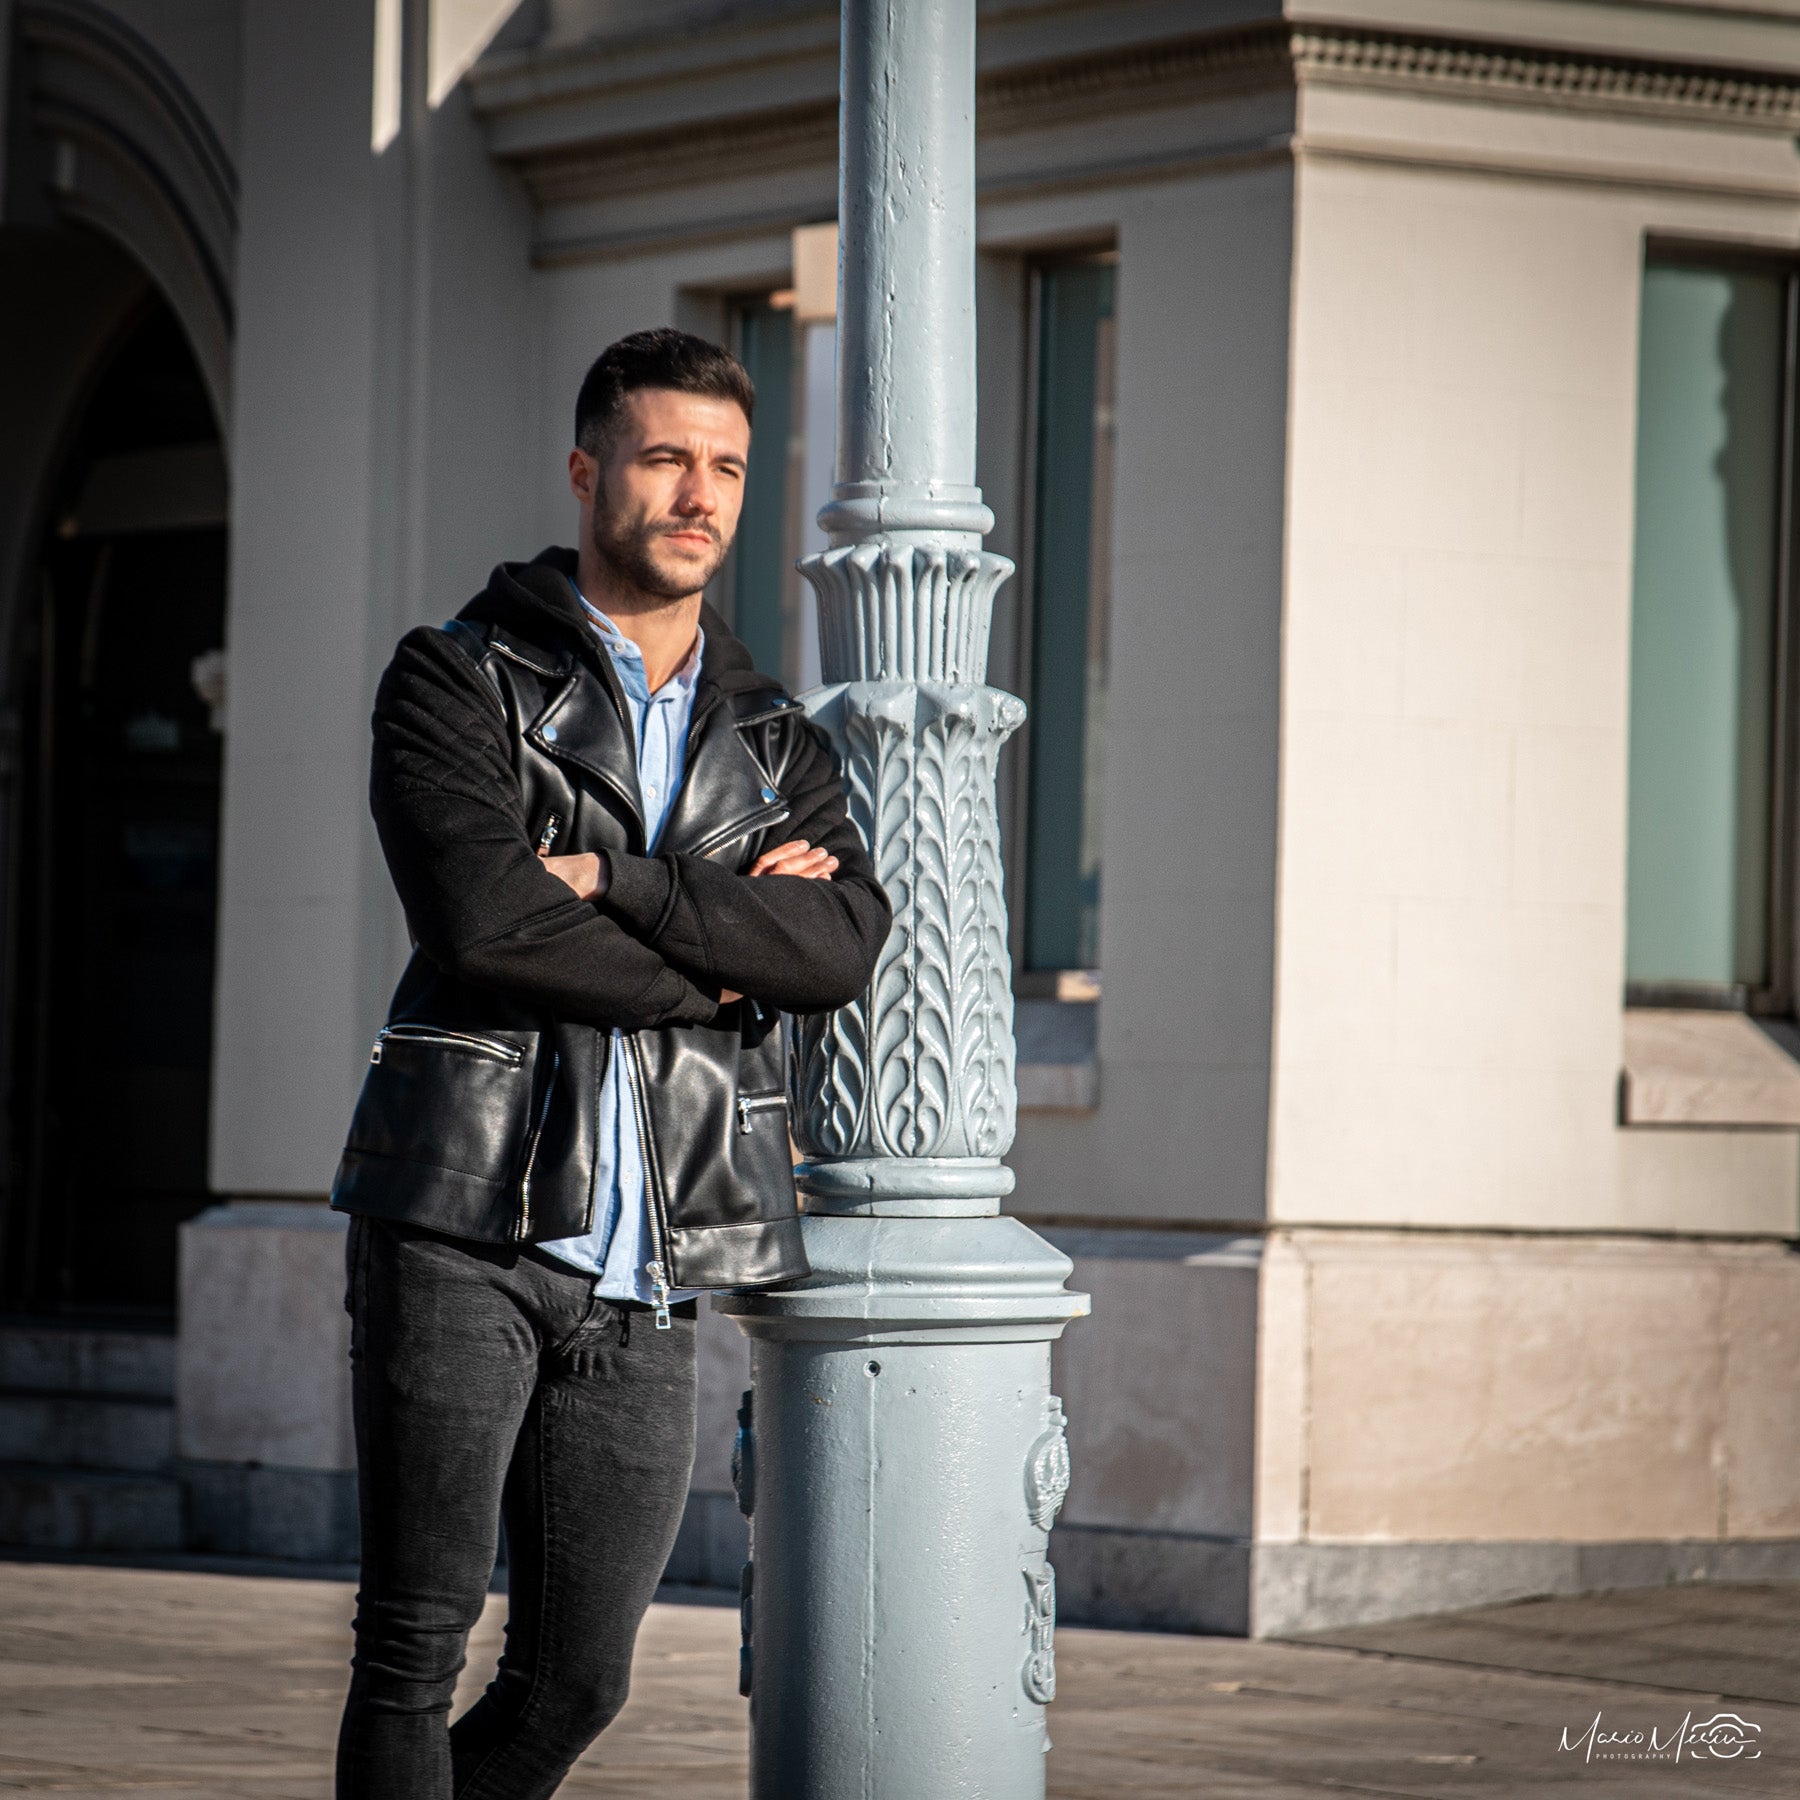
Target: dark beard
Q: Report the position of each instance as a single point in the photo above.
(629, 553)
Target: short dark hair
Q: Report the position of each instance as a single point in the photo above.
(663, 358)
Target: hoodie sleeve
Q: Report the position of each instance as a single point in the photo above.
(481, 905)
(800, 946)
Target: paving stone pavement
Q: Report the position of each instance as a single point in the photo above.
(200, 1685)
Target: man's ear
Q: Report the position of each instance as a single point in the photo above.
(584, 476)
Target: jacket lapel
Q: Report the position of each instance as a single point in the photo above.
(725, 794)
(583, 724)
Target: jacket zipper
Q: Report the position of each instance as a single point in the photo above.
(453, 1040)
(537, 1137)
(658, 1266)
(748, 1104)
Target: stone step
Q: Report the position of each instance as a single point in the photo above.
(87, 1431)
(78, 1359)
(88, 1509)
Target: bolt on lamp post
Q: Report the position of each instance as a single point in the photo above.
(905, 1458)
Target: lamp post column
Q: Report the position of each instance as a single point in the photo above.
(904, 1458)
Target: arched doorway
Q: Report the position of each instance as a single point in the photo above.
(113, 851)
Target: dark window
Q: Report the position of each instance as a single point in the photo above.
(762, 559)
(1070, 557)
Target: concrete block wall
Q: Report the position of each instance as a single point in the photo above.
(1159, 1386)
(1457, 1418)
(264, 1438)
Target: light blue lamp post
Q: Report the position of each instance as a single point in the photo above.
(907, 1458)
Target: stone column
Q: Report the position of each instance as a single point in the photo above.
(904, 1457)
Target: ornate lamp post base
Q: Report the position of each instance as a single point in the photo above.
(903, 1470)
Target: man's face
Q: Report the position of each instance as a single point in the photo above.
(661, 502)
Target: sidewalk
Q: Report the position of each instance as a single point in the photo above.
(194, 1686)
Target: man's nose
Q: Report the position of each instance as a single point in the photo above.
(699, 494)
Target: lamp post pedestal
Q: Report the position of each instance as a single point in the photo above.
(906, 1463)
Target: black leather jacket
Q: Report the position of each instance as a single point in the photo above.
(478, 1113)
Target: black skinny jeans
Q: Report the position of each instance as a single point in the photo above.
(489, 1379)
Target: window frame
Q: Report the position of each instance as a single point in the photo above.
(1775, 997)
(1071, 984)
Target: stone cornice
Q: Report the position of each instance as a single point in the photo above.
(792, 130)
(754, 144)
(1134, 78)
(1138, 77)
(1556, 79)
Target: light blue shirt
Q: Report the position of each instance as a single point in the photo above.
(620, 1243)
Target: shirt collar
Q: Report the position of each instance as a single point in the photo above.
(624, 652)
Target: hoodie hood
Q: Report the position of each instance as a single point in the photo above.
(536, 603)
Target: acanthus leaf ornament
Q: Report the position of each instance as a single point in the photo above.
(923, 1065)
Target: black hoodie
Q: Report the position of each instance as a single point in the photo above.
(487, 729)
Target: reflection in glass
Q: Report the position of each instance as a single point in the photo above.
(1703, 626)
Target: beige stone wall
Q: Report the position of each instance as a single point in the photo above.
(1181, 1129)
(1456, 657)
(1461, 1387)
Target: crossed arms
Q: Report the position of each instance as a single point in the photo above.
(587, 875)
(670, 935)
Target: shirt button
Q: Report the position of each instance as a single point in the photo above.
(653, 793)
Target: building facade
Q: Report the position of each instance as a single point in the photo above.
(1390, 412)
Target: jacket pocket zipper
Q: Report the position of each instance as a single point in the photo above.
(498, 1048)
(658, 1266)
(748, 1105)
(531, 1149)
(771, 814)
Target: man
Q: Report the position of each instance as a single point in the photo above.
(623, 853)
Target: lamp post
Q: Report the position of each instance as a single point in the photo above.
(905, 1458)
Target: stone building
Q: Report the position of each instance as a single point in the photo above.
(1391, 414)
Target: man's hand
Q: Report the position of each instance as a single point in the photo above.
(797, 858)
(584, 875)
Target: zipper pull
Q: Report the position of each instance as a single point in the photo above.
(743, 1107)
(659, 1293)
(375, 1054)
(552, 826)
